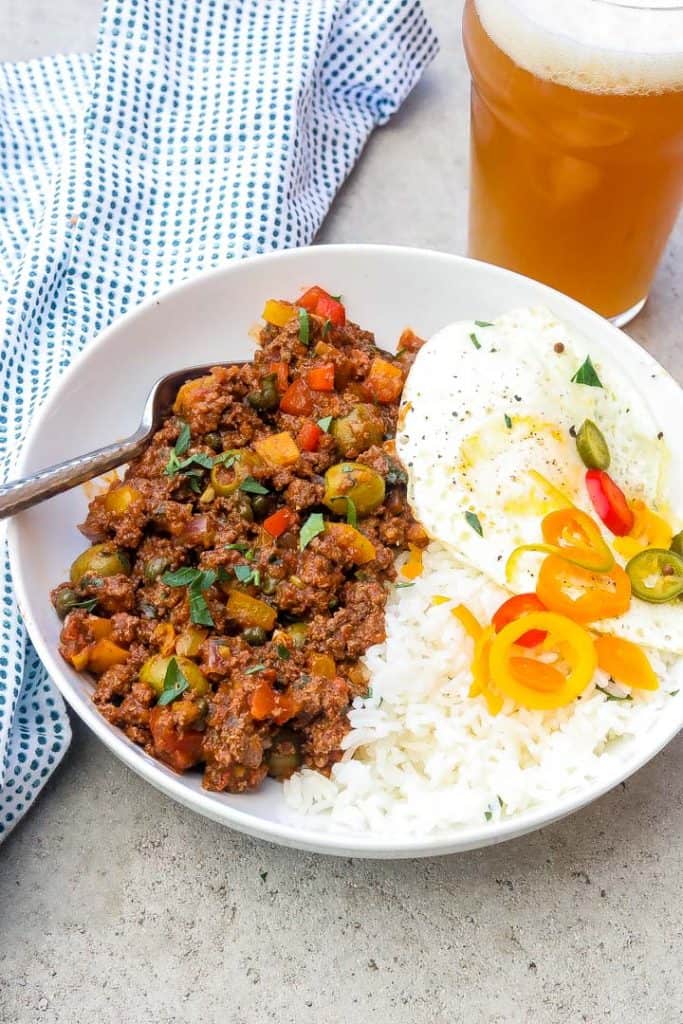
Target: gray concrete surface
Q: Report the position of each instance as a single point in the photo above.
(119, 906)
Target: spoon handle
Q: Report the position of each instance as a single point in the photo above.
(17, 495)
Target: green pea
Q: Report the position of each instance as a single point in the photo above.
(268, 397)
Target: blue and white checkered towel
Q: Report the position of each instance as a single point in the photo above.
(200, 131)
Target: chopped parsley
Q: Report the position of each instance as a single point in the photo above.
(404, 586)
(473, 521)
(483, 323)
(247, 574)
(184, 437)
(251, 486)
(613, 696)
(488, 815)
(326, 328)
(325, 422)
(240, 546)
(351, 514)
(226, 459)
(314, 525)
(196, 581)
(586, 375)
(175, 683)
(283, 652)
(304, 327)
(508, 422)
(475, 341)
(187, 466)
(254, 668)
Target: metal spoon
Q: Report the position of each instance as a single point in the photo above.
(17, 495)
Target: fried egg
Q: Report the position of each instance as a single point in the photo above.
(486, 433)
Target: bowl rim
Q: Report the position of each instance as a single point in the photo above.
(333, 842)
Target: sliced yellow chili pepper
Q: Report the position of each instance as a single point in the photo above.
(468, 621)
(440, 599)
(550, 489)
(648, 531)
(572, 535)
(278, 313)
(573, 643)
(481, 679)
(413, 566)
(625, 662)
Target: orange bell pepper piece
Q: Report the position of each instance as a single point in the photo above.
(356, 543)
(384, 381)
(321, 378)
(248, 611)
(602, 595)
(297, 399)
(625, 662)
(103, 654)
(278, 449)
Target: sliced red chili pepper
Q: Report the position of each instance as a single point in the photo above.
(609, 502)
(297, 399)
(308, 438)
(321, 378)
(280, 521)
(514, 608)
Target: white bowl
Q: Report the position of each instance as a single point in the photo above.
(101, 396)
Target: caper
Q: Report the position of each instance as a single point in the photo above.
(591, 446)
(64, 601)
(154, 567)
(100, 560)
(214, 440)
(267, 397)
(244, 508)
(255, 636)
(676, 544)
(262, 504)
(359, 484)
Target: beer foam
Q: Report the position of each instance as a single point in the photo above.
(593, 45)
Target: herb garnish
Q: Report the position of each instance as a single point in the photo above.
(184, 437)
(586, 375)
(475, 341)
(351, 514)
(483, 323)
(404, 586)
(254, 668)
(613, 696)
(325, 422)
(88, 604)
(508, 422)
(175, 683)
(247, 574)
(251, 486)
(473, 521)
(314, 525)
(240, 546)
(326, 328)
(488, 815)
(304, 327)
(196, 581)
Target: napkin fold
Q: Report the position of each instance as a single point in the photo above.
(199, 131)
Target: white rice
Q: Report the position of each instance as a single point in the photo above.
(423, 757)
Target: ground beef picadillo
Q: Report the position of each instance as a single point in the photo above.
(241, 569)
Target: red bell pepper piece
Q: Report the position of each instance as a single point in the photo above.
(609, 502)
(281, 371)
(297, 399)
(317, 300)
(309, 436)
(321, 378)
(279, 522)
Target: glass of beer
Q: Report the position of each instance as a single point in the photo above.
(576, 142)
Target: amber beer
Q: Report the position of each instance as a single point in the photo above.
(576, 142)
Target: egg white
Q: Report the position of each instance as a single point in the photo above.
(485, 431)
